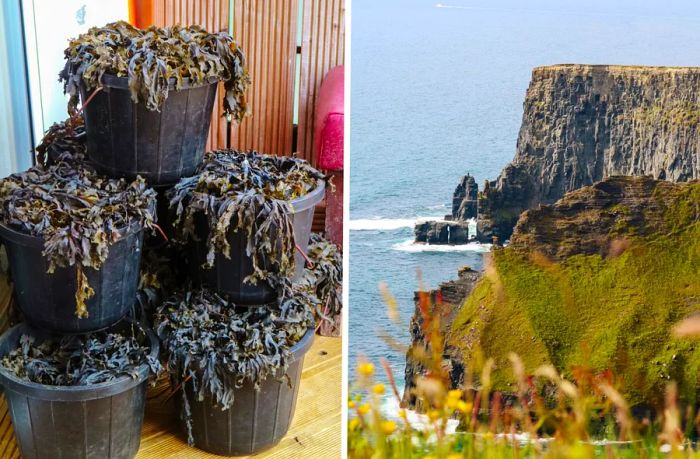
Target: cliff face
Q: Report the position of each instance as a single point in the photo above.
(583, 123)
(453, 293)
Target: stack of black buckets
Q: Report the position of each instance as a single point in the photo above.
(125, 140)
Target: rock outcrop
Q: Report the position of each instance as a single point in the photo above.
(464, 199)
(598, 278)
(455, 228)
(444, 232)
(583, 123)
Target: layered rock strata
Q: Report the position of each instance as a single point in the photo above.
(584, 123)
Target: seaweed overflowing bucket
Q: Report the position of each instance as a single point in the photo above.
(73, 240)
(126, 139)
(45, 298)
(247, 220)
(148, 95)
(237, 369)
(57, 413)
(228, 274)
(258, 417)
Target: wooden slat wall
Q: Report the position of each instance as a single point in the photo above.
(266, 31)
(213, 15)
(322, 48)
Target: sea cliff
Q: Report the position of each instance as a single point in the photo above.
(583, 123)
(603, 230)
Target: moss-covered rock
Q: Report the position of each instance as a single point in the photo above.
(597, 279)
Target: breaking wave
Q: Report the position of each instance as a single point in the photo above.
(411, 246)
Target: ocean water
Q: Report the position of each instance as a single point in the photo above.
(437, 91)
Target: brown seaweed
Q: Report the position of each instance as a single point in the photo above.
(324, 280)
(79, 360)
(64, 141)
(153, 59)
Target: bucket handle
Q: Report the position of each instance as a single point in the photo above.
(309, 263)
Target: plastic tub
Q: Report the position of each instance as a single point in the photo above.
(48, 300)
(97, 421)
(257, 420)
(125, 139)
(227, 274)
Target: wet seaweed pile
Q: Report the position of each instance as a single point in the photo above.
(64, 141)
(77, 212)
(81, 360)
(324, 280)
(247, 192)
(153, 59)
(216, 347)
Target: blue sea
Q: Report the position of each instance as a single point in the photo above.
(437, 92)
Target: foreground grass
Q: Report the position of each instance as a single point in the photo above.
(542, 415)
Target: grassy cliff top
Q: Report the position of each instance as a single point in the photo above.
(597, 279)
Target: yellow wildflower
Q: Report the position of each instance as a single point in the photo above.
(378, 389)
(464, 407)
(363, 409)
(388, 427)
(365, 369)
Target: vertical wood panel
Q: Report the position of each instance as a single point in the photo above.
(213, 16)
(323, 47)
(266, 32)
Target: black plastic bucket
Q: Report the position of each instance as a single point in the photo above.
(227, 274)
(96, 421)
(257, 419)
(48, 300)
(125, 139)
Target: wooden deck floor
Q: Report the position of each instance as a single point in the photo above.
(315, 431)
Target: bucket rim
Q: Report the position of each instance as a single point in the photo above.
(302, 346)
(11, 234)
(10, 381)
(110, 80)
(310, 199)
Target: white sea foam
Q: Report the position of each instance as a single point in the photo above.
(454, 7)
(390, 408)
(377, 224)
(411, 246)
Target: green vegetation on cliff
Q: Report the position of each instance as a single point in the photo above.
(609, 309)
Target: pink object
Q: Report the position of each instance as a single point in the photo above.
(330, 120)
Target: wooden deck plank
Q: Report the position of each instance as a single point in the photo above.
(315, 431)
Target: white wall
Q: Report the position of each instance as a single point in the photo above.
(49, 24)
(15, 126)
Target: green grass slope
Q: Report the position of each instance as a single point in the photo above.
(603, 310)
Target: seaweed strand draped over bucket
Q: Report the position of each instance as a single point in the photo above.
(249, 194)
(153, 57)
(153, 91)
(77, 213)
